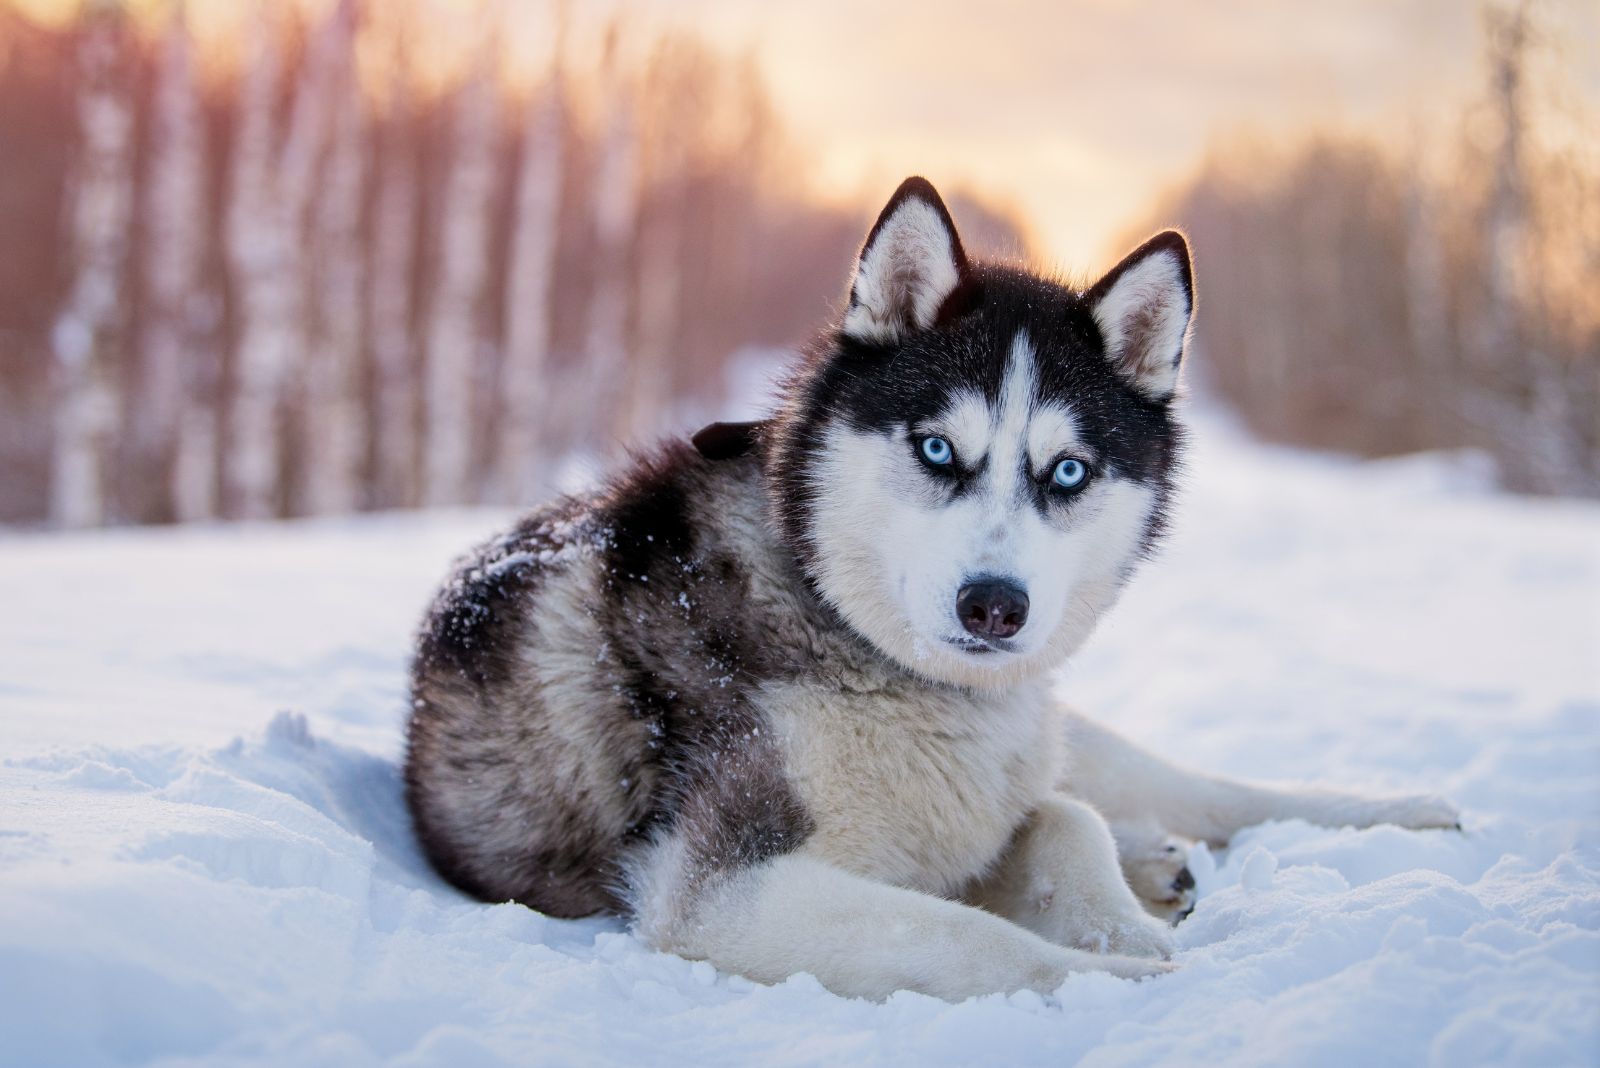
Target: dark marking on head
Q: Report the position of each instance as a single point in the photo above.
(888, 389)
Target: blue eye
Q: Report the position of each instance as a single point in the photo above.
(1070, 474)
(936, 451)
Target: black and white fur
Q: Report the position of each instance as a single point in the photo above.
(742, 695)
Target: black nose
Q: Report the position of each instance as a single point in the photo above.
(992, 609)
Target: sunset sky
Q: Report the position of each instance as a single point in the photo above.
(1081, 113)
(1076, 114)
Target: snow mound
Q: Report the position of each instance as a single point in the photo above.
(188, 873)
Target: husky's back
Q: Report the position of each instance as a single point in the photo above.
(576, 673)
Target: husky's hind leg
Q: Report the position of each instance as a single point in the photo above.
(1132, 787)
(1156, 866)
(1059, 878)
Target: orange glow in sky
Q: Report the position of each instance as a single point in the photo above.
(1078, 114)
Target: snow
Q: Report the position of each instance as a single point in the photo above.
(204, 854)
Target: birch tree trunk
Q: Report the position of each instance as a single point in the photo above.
(335, 420)
(255, 251)
(453, 337)
(176, 421)
(390, 299)
(615, 204)
(663, 164)
(88, 328)
(266, 227)
(1530, 415)
(1508, 40)
(520, 462)
(1426, 300)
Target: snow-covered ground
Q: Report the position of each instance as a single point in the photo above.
(204, 856)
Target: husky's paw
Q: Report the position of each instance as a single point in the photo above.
(1132, 934)
(1419, 813)
(1135, 967)
(1160, 878)
(1048, 977)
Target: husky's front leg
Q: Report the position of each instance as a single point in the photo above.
(1059, 878)
(859, 938)
(1133, 787)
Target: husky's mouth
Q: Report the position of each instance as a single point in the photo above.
(980, 647)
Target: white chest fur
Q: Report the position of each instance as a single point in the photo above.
(921, 788)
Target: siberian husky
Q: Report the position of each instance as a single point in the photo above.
(782, 695)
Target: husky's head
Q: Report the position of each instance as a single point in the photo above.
(972, 463)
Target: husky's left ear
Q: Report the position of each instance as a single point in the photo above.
(1143, 306)
(910, 265)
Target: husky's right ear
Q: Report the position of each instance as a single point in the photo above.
(911, 264)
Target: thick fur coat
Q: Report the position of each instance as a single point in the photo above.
(782, 695)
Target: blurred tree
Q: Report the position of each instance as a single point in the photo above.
(175, 423)
(89, 330)
(259, 248)
(1359, 297)
(1523, 389)
(390, 297)
(676, 83)
(273, 186)
(614, 206)
(520, 460)
(321, 281)
(335, 412)
(454, 338)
